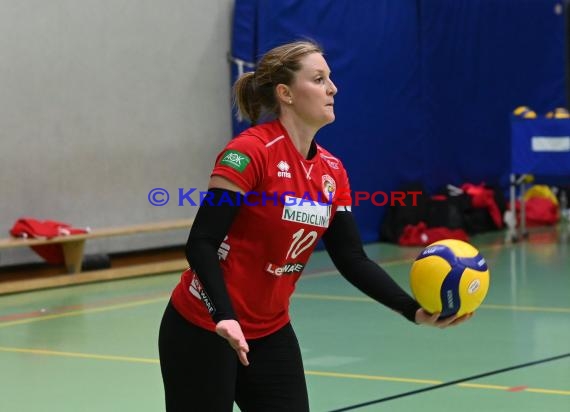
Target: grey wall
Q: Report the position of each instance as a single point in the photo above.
(103, 100)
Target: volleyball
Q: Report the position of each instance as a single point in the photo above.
(525, 112)
(561, 113)
(558, 113)
(519, 110)
(450, 277)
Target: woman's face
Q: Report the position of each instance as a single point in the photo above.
(312, 91)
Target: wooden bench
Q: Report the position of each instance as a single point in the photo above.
(73, 247)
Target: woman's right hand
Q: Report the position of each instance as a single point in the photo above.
(425, 318)
(230, 330)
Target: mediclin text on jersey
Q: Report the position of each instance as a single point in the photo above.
(192, 197)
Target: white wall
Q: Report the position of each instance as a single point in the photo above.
(103, 100)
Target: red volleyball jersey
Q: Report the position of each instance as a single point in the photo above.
(289, 203)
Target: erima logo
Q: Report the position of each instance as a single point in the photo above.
(283, 167)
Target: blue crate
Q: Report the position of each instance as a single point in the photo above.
(540, 146)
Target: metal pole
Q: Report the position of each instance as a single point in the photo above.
(566, 11)
(511, 220)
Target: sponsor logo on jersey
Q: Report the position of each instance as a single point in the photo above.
(286, 269)
(329, 186)
(235, 160)
(198, 291)
(314, 213)
(283, 167)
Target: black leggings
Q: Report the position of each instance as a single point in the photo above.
(201, 372)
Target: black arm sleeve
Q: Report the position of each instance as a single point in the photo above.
(344, 246)
(211, 225)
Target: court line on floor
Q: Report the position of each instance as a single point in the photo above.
(28, 317)
(435, 383)
(60, 312)
(365, 299)
(456, 382)
(73, 308)
(389, 263)
(85, 311)
(34, 317)
(81, 355)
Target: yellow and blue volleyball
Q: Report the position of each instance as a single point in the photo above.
(450, 277)
(558, 113)
(525, 112)
(561, 113)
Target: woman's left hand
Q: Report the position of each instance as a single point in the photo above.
(426, 318)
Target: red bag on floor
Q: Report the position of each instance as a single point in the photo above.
(421, 235)
(33, 228)
(482, 197)
(541, 211)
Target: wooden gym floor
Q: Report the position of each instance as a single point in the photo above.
(93, 347)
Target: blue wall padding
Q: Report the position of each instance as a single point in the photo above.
(425, 87)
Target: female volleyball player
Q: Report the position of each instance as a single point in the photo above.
(226, 334)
